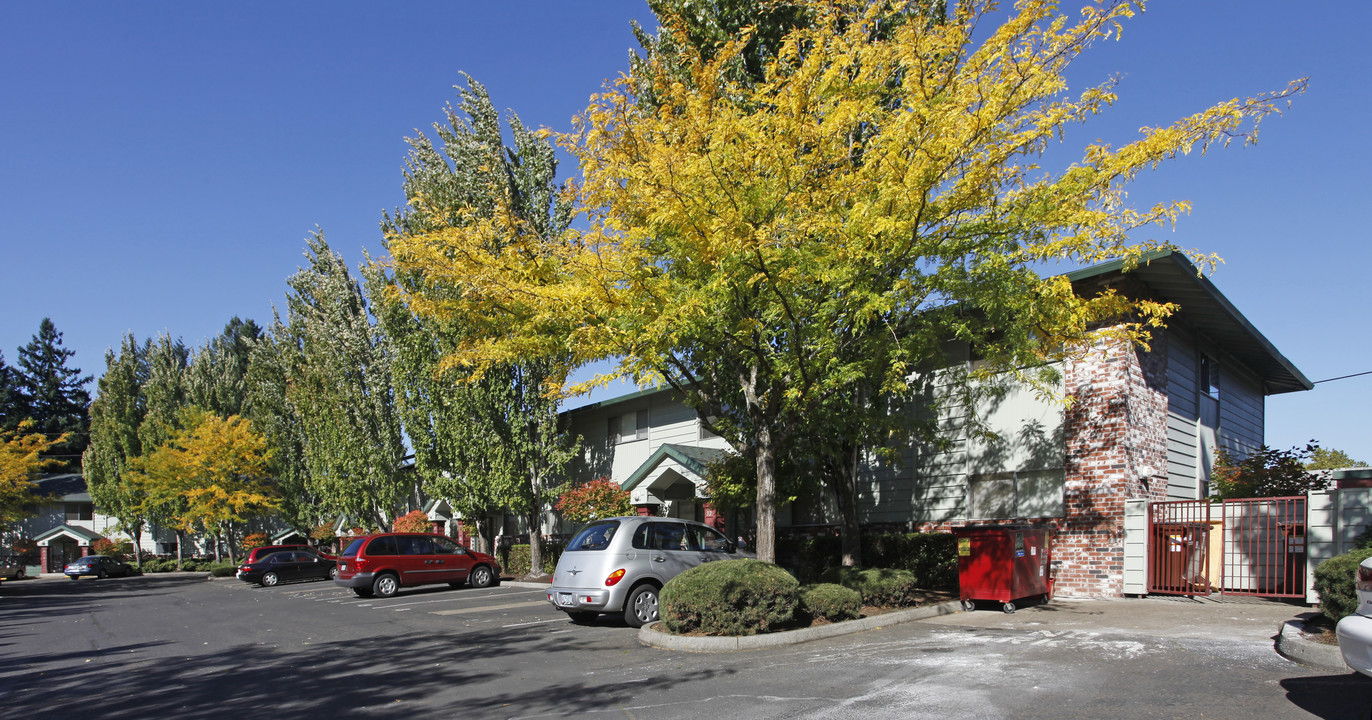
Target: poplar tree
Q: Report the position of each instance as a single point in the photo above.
(339, 384)
(487, 440)
(116, 414)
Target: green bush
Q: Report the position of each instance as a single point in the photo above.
(879, 587)
(157, 565)
(931, 557)
(514, 559)
(729, 597)
(223, 569)
(831, 602)
(1335, 580)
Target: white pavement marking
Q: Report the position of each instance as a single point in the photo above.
(483, 608)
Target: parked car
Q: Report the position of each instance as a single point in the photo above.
(1355, 631)
(618, 565)
(286, 565)
(262, 551)
(97, 566)
(379, 565)
(11, 568)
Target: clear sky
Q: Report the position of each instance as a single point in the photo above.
(162, 162)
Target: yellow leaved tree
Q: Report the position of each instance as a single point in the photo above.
(789, 247)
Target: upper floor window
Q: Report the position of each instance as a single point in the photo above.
(629, 427)
(1209, 377)
(76, 511)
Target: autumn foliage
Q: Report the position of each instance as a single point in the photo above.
(414, 521)
(599, 498)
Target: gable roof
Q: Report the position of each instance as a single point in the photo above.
(79, 534)
(1201, 305)
(691, 457)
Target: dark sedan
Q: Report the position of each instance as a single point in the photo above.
(97, 566)
(287, 565)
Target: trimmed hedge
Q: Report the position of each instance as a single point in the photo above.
(831, 602)
(879, 587)
(931, 557)
(514, 559)
(1335, 581)
(729, 597)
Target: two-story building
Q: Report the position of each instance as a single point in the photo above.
(1126, 424)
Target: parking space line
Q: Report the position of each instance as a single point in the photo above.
(483, 608)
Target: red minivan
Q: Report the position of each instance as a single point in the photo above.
(379, 565)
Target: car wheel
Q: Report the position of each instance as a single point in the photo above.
(385, 585)
(333, 573)
(362, 592)
(641, 607)
(481, 577)
(581, 617)
(73, 577)
(101, 575)
(270, 579)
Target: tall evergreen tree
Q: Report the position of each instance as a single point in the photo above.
(55, 394)
(12, 407)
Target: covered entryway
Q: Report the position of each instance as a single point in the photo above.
(64, 544)
(1236, 547)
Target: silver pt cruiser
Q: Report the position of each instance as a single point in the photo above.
(618, 565)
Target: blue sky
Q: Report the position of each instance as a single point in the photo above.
(161, 163)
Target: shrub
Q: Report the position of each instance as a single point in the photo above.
(252, 540)
(115, 549)
(414, 521)
(729, 597)
(932, 557)
(879, 587)
(157, 565)
(599, 498)
(514, 559)
(223, 569)
(324, 534)
(1335, 581)
(831, 602)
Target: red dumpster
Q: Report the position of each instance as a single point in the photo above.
(1003, 564)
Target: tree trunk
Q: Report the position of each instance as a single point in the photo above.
(138, 546)
(535, 522)
(179, 546)
(844, 485)
(766, 496)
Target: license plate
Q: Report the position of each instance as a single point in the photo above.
(564, 599)
(342, 567)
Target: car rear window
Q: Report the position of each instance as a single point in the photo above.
(595, 536)
(353, 547)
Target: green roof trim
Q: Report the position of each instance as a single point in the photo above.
(691, 457)
(75, 533)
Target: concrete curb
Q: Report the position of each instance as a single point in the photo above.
(649, 634)
(1292, 645)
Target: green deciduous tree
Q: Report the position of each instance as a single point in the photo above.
(783, 246)
(490, 440)
(1267, 472)
(338, 382)
(116, 415)
(217, 377)
(1331, 459)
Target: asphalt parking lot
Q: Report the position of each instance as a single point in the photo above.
(185, 647)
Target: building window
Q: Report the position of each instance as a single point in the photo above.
(1209, 377)
(1022, 494)
(77, 511)
(629, 427)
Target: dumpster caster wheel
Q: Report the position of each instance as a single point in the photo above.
(968, 605)
(1008, 608)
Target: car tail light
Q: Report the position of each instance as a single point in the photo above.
(1365, 578)
(615, 577)
(355, 564)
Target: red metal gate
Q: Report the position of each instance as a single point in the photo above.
(1238, 547)
(1178, 547)
(1264, 547)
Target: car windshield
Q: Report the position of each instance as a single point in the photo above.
(595, 536)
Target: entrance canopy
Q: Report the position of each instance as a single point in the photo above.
(672, 473)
